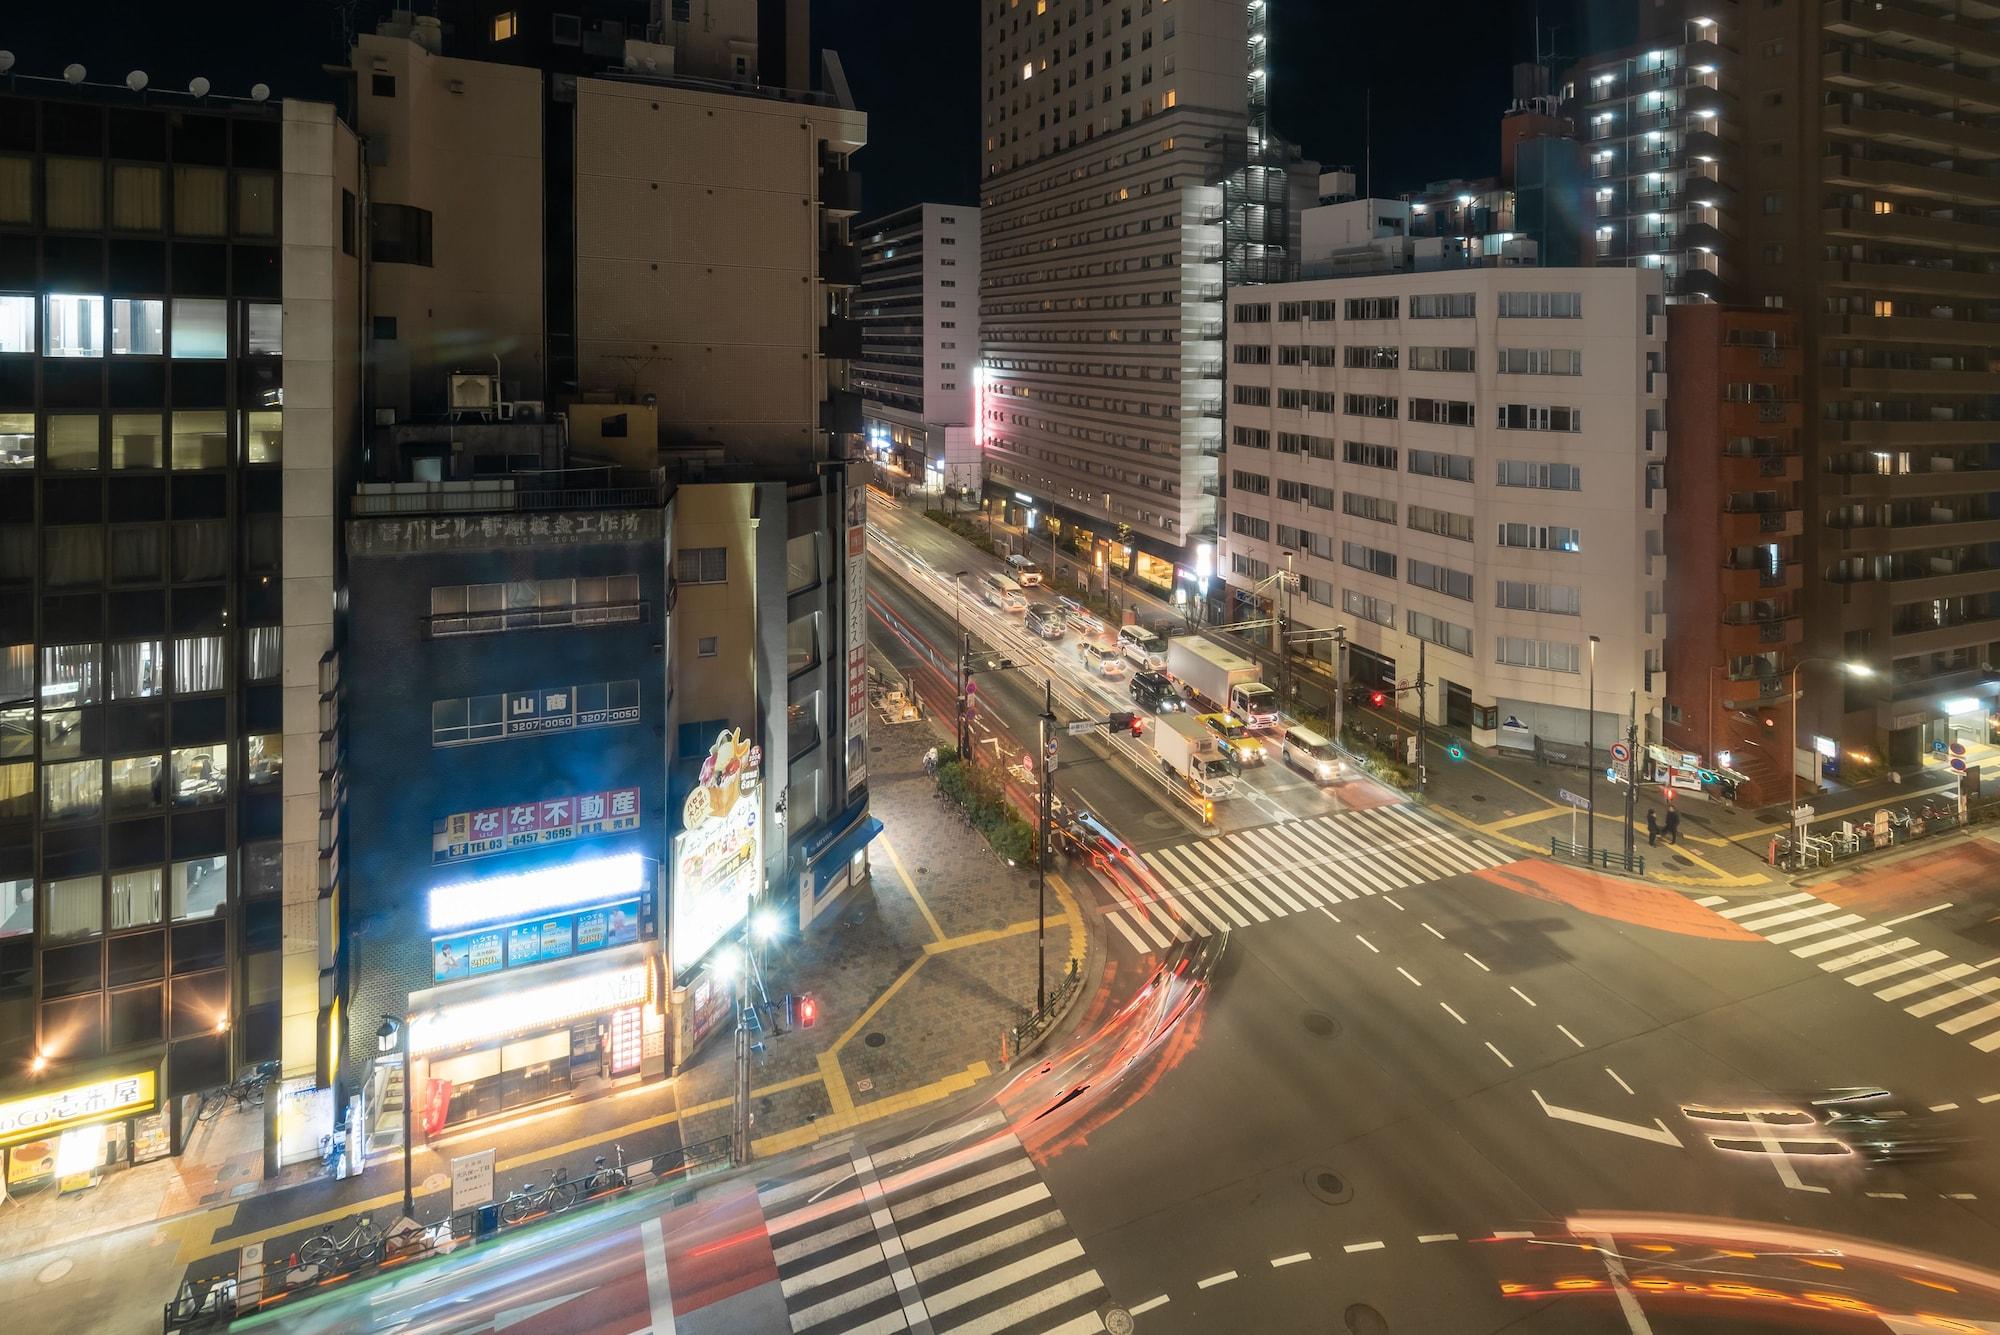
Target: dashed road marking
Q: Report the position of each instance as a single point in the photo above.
(1434, 931)
(1960, 1196)
(1437, 1237)
(1920, 913)
(1887, 1196)
(1475, 959)
(1407, 974)
(1571, 1037)
(1501, 1055)
(1512, 1237)
(1989, 1098)
(1140, 1309)
(1328, 912)
(1522, 995)
(1392, 901)
(1214, 1280)
(1943, 1107)
(1615, 1076)
(1364, 1246)
(1710, 901)
(1366, 942)
(1452, 1013)
(1293, 1259)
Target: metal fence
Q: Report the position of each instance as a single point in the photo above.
(1029, 1031)
(1608, 859)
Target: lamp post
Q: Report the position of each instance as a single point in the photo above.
(393, 1035)
(1590, 759)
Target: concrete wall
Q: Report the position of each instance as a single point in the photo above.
(721, 686)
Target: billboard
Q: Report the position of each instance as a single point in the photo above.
(718, 858)
(856, 589)
(464, 835)
(538, 940)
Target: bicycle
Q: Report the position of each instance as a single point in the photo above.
(361, 1244)
(608, 1177)
(557, 1196)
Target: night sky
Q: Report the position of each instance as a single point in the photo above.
(1440, 72)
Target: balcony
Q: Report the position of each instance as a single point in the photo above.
(1940, 482)
(521, 492)
(840, 190)
(1758, 635)
(1895, 380)
(1704, 145)
(1908, 129)
(1748, 583)
(1748, 694)
(1909, 28)
(1742, 471)
(840, 264)
(1944, 639)
(1910, 80)
(1880, 278)
(1908, 178)
(1882, 539)
(1897, 435)
(1910, 329)
(1909, 228)
(1748, 528)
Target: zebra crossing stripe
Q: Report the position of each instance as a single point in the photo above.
(1332, 859)
(1286, 864)
(1791, 934)
(1751, 910)
(1357, 864)
(1759, 925)
(1894, 967)
(973, 1218)
(1958, 1024)
(1958, 996)
(1901, 943)
(1143, 913)
(1218, 878)
(1116, 919)
(1171, 864)
(1988, 1043)
(1266, 876)
(1925, 983)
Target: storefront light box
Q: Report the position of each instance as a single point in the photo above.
(535, 941)
(585, 883)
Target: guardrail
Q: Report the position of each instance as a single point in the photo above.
(1603, 857)
(257, 1281)
(1019, 1038)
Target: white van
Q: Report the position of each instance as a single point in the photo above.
(1146, 650)
(1026, 573)
(1102, 659)
(1002, 593)
(1315, 755)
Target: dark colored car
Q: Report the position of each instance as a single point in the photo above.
(1156, 693)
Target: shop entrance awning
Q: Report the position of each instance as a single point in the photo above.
(829, 861)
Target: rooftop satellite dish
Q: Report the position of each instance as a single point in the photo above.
(260, 92)
(74, 73)
(6, 61)
(198, 86)
(136, 81)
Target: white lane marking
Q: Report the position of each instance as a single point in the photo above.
(1820, 928)
(1407, 974)
(1452, 1013)
(1568, 1035)
(659, 1297)
(1501, 1055)
(1925, 983)
(1620, 1079)
(1958, 996)
(1434, 931)
(1511, 1237)
(1943, 1107)
(1657, 1133)
(1140, 1309)
(1112, 916)
(1519, 993)
(1628, 1304)
(1329, 912)
(1293, 1259)
(1391, 901)
(1989, 1098)
(1366, 942)
(1364, 1246)
(1437, 1237)
(1842, 942)
(1214, 1280)
(1887, 1196)
(1782, 1161)
(1710, 901)
(1920, 913)
(960, 1257)
(1474, 959)
(1960, 1196)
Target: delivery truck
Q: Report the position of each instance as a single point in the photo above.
(1210, 670)
(1190, 752)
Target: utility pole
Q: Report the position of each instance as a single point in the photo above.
(1632, 775)
(1590, 761)
(1423, 772)
(1278, 637)
(1042, 822)
(739, 1127)
(964, 681)
(1339, 681)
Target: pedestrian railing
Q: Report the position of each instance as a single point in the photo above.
(259, 1278)
(1606, 858)
(1022, 1036)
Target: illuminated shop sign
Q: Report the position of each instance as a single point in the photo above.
(583, 883)
(627, 1041)
(557, 708)
(538, 940)
(718, 859)
(40, 1114)
(553, 820)
(519, 1009)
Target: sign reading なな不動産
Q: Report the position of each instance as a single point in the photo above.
(40, 1114)
(553, 820)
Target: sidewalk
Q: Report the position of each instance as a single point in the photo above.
(916, 983)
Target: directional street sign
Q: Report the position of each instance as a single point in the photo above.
(1078, 727)
(1575, 801)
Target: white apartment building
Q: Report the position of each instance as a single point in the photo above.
(1466, 459)
(1112, 133)
(919, 315)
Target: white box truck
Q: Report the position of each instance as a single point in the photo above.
(1188, 750)
(1210, 670)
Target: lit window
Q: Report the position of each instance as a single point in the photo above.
(201, 328)
(75, 324)
(1169, 98)
(201, 887)
(137, 327)
(17, 324)
(504, 26)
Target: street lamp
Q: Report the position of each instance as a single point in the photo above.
(1590, 758)
(393, 1036)
(1857, 670)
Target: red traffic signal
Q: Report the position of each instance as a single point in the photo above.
(1377, 699)
(1132, 723)
(808, 1010)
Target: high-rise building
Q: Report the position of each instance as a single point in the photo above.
(179, 363)
(919, 317)
(1129, 173)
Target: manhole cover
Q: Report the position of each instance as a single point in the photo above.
(1362, 1319)
(1328, 1186)
(61, 1266)
(1319, 1023)
(1118, 1321)
(436, 1182)
(876, 1039)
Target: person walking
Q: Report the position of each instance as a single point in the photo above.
(1673, 825)
(1652, 828)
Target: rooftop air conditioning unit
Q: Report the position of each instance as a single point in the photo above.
(473, 392)
(524, 410)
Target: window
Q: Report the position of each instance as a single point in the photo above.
(1540, 537)
(17, 440)
(1774, 252)
(73, 555)
(384, 85)
(348, 239)
(201, 887)
(263, 328)
(1538, 417)
(1257, 484)
(137, 783)
(17, 324)
(201, 440)
(505, 25)
(1440, 579)
(256, 204)
(702, 565)
(136, 190)
(1523, 596)
(17, 802)
(1541, 476)
(1438, 631)
(1368, 507)
(1774, 201)
(1368, 607)
(17, 908)
(1370, 559)
(69, 675)
(75, 788)
(263, 758)
(1540, 361)
(1250, 438)
(1550, 656)
(1369, 405)
(1443, 412)
(1773, 98)
(1774, 47)
(76, 908)
(263, 653)
(1362, 358)
(1367, 455)
(1444, 523)
(1258, 312)
(200, 774)
(73, 441)
(135, 669)
(198, 664)
(1251, 396)
(73, 196)
(1541, 305)
(383, 329)
(201, 551)
(1441, 359)
(1252, 354)
(17, 190)
(1444, 306)
(201, 201)
(1259, 529)
(1437, 463)
(1372, 308)
(138, 327)
(73, 325)
(201, 329)
(399, 234)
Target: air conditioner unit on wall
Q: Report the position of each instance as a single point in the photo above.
(524, 410)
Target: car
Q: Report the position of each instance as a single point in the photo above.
(1025, 572)
(1313, 755)
(1047, 621)
(1237, 743)
(1156, 693)
(1102, 659)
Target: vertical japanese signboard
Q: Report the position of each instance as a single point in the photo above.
(857, 634)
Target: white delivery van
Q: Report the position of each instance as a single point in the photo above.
(1102, 659)
(1003, 593)
(1313, 754)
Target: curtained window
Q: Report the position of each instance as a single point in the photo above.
(17, 324)
(136, 554)
(135, 898)
(76, 907)
(201, 551)
(137, 783)
(136, 204)
(17, 792)
(198, 664)
(201, 201)
(138, 326)
(256, 204)
(137, 441)
(135, 669)
(72, 788)
(263, 653)
(17, 190)
(263, 328)
(75, 193)
(69, 675)
(73, 556)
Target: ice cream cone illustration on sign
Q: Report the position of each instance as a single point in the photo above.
(723, 772)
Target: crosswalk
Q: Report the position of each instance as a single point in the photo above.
(951, 1231)
(1273, 871)
(1957, 998)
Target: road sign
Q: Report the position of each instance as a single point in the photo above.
(471, 1181)
(1958, 763)
(1620, 752)
(1575, 801)
(1080, 726)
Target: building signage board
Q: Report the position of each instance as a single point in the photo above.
(717, 860)
(857, 636)
(562, 708)
(382, 537)
(627, 1041)
(471, 1181)
(528, 1007)
(538, 940)
(464, 835)
(39, 1114)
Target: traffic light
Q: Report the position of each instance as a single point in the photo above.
(1377, 699)
(1132, 723)
(808, 1010)
(1455, 751)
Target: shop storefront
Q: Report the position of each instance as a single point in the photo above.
(66, 1139)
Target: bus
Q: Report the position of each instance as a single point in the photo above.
(1003, 593)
